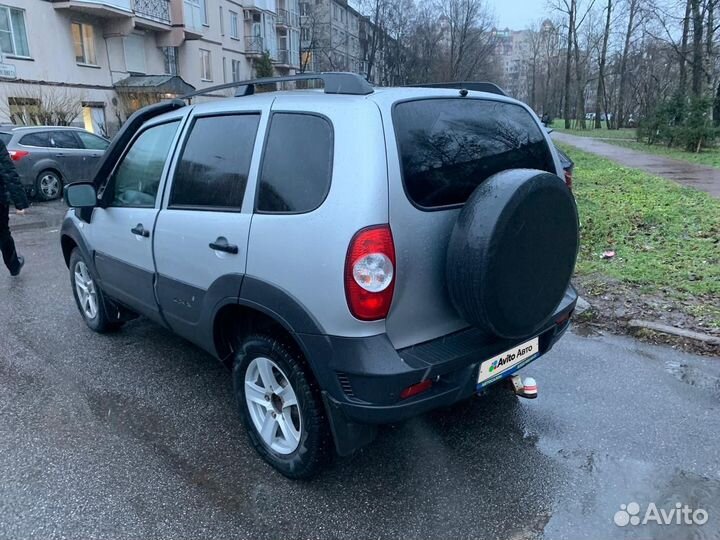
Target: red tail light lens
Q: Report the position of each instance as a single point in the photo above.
(568, 178)
(416, 389)
(17, 155)
(370, 273)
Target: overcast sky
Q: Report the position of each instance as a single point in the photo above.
(518, 14)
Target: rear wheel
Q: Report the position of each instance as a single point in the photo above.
(48, 185)
(88, 295)
(281, 408)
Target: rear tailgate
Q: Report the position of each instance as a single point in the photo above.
(439, 150)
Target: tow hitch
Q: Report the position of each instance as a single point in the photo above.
(526, 388)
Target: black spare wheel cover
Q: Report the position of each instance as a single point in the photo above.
(512, 252)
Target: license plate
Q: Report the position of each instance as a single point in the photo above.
(505, 363)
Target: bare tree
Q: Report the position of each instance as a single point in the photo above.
(600, 95)
(31, 104)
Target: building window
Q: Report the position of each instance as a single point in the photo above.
(13, 34)
(304, 9)
(171, 60)
(236, 70)
(135, 53)
(84, 40)
(203, 4)
(222, 22)
(234, 31)
(305, 31)
(225, 70)
(205, 65)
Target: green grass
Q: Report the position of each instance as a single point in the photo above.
(665, 236)
(709, 157)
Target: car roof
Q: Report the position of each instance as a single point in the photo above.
(317, 97)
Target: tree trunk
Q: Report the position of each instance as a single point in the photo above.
(682, 77)
(568, 62)
(580, 98)
(698, 53)
(599, 98)
(620, 121)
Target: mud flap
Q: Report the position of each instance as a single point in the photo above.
(348, 436)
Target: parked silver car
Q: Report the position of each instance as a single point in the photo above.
(46, 157)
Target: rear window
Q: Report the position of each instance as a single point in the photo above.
(40, 139)
(449, 146)
(297, 165)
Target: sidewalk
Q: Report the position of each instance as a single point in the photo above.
(39, 216)
(700, 177)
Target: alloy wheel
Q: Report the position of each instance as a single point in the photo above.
(273, 406)
(86, 292)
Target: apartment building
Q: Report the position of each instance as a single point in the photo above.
(108, 57)
(336, 37)
(512, 49)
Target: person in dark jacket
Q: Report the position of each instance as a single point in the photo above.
(11, 191)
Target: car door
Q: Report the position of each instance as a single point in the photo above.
(94, 147)
(202, 231)
(67, 152)
(122, 233)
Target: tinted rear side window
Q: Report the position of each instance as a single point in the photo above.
(213, 169)
(41, 140)
(449, 146)
(5, 138)
(297, 165)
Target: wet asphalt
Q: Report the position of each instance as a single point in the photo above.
(135, 435)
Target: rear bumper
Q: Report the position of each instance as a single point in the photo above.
(362, 378)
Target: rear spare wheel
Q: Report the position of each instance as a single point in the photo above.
(512, 252)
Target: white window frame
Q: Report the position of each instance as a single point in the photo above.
(236, 70)
(87, 59)
(234, 24)
(13, 30)
(222, 22)
(205, 68)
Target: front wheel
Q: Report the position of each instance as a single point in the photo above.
(88, 295)
(48, 185)
(280, 406)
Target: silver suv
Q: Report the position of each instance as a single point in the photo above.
(356, 256)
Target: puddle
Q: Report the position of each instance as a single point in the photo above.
(693, 376)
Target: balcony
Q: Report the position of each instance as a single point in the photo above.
(283, 18)
(283, 58)
(254, 46)
(153, 10)
(106, 9)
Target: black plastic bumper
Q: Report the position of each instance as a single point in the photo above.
(362, 378)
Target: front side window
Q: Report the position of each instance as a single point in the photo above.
(92, 142)
(205, 66)
(213, 169)
(297, 165)
(137, 178)
(84, 43)
(13, 33)
(449, 146)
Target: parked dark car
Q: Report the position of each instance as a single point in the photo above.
(47, 157)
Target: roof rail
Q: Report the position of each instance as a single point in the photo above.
(334, 82)
(477, 86)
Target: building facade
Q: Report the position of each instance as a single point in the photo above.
(105, 58)
(336, 37)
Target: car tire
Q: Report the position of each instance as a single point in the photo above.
(48, 185)
(294, 439)
(88, 296)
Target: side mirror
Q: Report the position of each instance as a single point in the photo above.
(80, 195)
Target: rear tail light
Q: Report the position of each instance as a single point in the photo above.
(17, 155)
(568, 178)
(370, 273)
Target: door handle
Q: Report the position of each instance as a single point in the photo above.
(140, 231)
(221, 244)
(59, 155)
